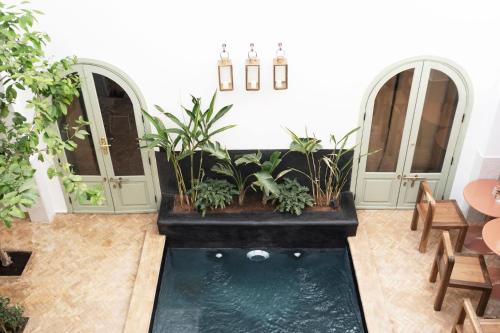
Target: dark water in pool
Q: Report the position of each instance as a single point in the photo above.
(312, 293)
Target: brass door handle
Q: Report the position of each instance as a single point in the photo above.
(413, 179)
(117, 182)
(104, 146)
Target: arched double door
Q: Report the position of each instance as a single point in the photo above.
(110, 158)
(412, 122)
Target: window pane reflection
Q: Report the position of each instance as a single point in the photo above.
(119, 123)
(83, 159)
(389, 113)
(440, 104)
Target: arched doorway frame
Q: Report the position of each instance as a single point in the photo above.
(147, 129)
(374, 88)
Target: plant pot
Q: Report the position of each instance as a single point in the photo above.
(19, 261)
(326, 227)
(260, 228)
(335, 203)
(23, 326)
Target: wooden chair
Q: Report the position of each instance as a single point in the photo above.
(468, 322)
(465, 271)
(441, 214)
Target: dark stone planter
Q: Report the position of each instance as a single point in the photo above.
(19, 261)
(267, 229)
(252, 229)
(23, 326)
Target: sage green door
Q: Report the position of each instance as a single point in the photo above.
(110, 158)
(412, 123)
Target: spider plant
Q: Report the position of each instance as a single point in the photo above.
(262, 179)
(184, 139)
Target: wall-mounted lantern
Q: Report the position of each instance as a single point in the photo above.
(225, 71)
(280, 70)
(252, 70)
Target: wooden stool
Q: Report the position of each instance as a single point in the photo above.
(465, 271)
(441, 214)
(473, 323)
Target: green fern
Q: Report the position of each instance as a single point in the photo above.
(213, 194)
(292, 197)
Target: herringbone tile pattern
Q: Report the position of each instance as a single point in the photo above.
(403, 273)
(81, 275)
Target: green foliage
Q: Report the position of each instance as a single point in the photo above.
(213, 194)
(292, 197)
(24, 68)
(325, 185)
(336, 175)
(262, 179)
(11, 316)
(185, 138)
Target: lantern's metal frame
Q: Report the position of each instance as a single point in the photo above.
(280, 61)
(224, 61)
(252, 61)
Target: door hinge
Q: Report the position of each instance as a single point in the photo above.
(156, 199)
(149, 160)
(359, 159)
(70, 201)
(364, 116)
(442, 197)
(452, 159)
(463, 117)
(142, 116)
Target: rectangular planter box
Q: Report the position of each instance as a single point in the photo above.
(252, 229)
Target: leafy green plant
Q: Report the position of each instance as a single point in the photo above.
(292, 197)
(327, 184)
(25, 68)
(262, 179)
(213, 194)
(184, 139)
(11, 316)
(336, 174)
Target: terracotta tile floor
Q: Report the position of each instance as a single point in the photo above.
(403, 273)
(82, 273)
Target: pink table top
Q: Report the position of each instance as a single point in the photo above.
(491, 235)
(478, 195)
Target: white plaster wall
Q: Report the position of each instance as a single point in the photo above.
(335, 49)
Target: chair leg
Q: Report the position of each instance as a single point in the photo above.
(460, 320)
(434, 271)
(461, 239)
(414, 220)
(425, 238)
(483, 302)
(438, 302)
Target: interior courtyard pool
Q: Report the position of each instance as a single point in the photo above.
(268, 290)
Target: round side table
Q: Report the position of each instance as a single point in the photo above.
(478, 195)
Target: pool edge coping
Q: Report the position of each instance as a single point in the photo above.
(143, 296)
(370, 290)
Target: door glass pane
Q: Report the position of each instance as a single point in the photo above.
(389, 113)
(83, 159)
(440, 104)
(119, 123)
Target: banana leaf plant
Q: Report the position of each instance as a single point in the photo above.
(183, 138)
(329, 173)
(262, 179)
